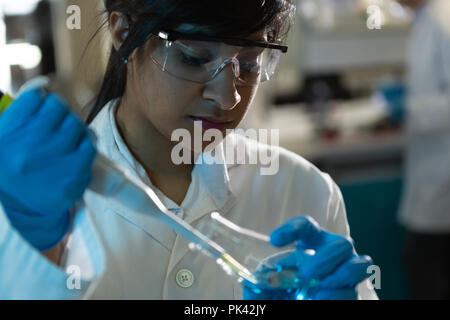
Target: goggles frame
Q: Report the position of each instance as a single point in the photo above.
(173, 36)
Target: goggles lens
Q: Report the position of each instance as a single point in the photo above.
(201, 61)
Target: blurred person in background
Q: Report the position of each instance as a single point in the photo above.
(425, 207)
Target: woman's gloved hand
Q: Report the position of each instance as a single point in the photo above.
(46, 157)
(335, 263)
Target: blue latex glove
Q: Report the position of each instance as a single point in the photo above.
(395, 94)
(335, 264)
(46, 158)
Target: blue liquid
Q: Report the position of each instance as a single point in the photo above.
(284, 283)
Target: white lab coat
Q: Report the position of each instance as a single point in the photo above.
(425, 204)
(125, 255)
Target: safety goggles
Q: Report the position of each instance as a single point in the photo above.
(200, 59)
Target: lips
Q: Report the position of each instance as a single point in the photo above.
(212, 123)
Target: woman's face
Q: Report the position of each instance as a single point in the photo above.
(168, 103)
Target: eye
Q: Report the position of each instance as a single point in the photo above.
(250, 67)
(192, 60)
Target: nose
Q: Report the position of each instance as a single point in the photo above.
(222, 88)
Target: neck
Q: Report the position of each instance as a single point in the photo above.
(146, 143)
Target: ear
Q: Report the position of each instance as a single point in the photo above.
(119, 29)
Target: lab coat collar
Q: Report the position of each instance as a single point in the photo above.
(213, 174)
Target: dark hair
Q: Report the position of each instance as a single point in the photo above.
(220, 18)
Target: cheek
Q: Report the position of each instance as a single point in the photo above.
(165, 99)
(247, 94)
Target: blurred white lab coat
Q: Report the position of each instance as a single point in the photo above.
(425, 204)
(126, 255)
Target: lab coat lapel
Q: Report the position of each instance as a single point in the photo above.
(213, 185)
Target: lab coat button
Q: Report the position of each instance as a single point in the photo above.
(184, 278)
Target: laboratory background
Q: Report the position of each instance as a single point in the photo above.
(339, 99)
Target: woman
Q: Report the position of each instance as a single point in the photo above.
(174, 63)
